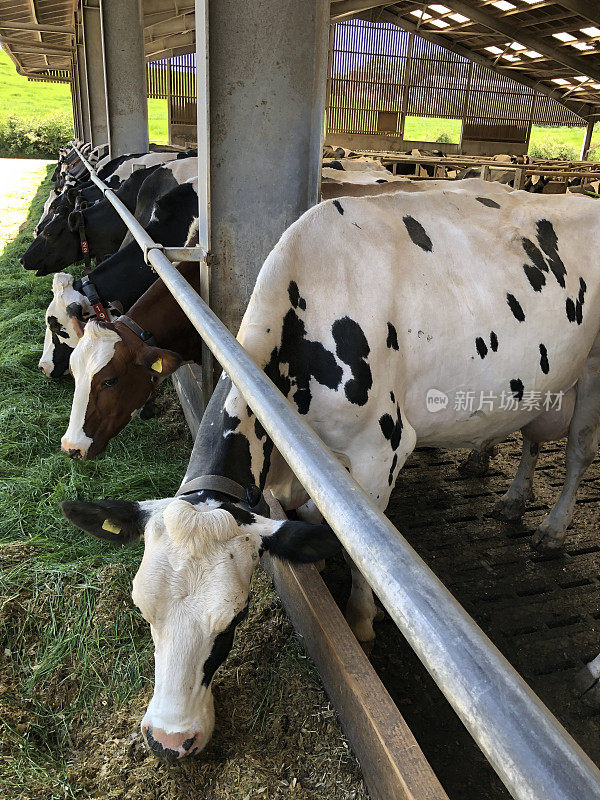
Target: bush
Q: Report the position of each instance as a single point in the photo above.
(34, 138)
(444, 137)
(548, 147)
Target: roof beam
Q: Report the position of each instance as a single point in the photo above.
(21, 46)
(517, 34)
(30, 26)
(582, 109)
(346, 8)
(584, 8)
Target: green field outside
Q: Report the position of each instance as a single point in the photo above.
(20, 97)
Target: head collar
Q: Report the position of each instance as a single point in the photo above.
(250, 498)
(142, 334)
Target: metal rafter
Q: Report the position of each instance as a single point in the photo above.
(517, 34)
(582, 109)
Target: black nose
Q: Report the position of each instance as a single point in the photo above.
(163, 753)
(74, 454)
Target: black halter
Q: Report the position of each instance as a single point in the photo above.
(251, 498)
(142, 334)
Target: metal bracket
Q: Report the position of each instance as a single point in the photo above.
(196, 253)
(146, 250)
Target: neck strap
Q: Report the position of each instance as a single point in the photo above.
(142, 334)
(250, 497)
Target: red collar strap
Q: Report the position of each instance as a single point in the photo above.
(92, 295)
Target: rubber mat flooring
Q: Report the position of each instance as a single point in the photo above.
(542, 613)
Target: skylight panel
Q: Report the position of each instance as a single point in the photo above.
(420, 14)
(564, 36)
(591, 31)
(439, 23)
(495, 50)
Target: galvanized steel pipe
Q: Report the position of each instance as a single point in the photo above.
(532, 753)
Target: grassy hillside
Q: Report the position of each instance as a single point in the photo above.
(20, 97)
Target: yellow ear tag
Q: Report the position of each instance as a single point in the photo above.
(157, 366)
(109, 526)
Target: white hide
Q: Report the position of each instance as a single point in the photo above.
(193, 580)
(93, 352)
(63, 295)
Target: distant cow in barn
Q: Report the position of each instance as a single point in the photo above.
(116, 283)
(438, 319)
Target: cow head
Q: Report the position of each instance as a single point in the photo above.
(64, 316)
(115, 374)
(57, 246)
(193, 587)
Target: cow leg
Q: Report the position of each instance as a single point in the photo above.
(582, 444)
(361, 609)
(511, 505)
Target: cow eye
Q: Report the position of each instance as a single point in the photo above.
(109, 382)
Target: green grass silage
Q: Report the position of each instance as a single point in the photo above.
(56, 662)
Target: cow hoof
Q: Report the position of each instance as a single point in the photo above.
(360, 625)
(586, 686)
(547, 540)
(509, 509)
(476, 465)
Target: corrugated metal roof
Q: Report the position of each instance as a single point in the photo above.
(549, 45)
(38, 35)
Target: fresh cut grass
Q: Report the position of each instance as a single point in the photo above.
(57, 663)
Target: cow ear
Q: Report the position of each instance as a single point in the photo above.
(72, 195)
(78, 323)
(301, 542)
(160, 362)
(116, 521)
(74, 220)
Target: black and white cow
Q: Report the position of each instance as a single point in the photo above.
(377, 317)
(59, 244)
(119, 281)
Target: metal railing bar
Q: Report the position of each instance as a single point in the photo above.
(532, 753)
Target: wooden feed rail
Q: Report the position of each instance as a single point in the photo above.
(393, 765)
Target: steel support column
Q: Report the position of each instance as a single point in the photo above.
(266, 127)
(124, 76)
(94, 70)
(587, 139)
(86, 128)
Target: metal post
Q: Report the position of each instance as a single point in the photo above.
(203, 145)
(94, 71)
(268, 68)
(86, 129)
(587, 139)
(407, 71)
(169, 100)
(76, 99)
(531, 752)
(124, 76)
